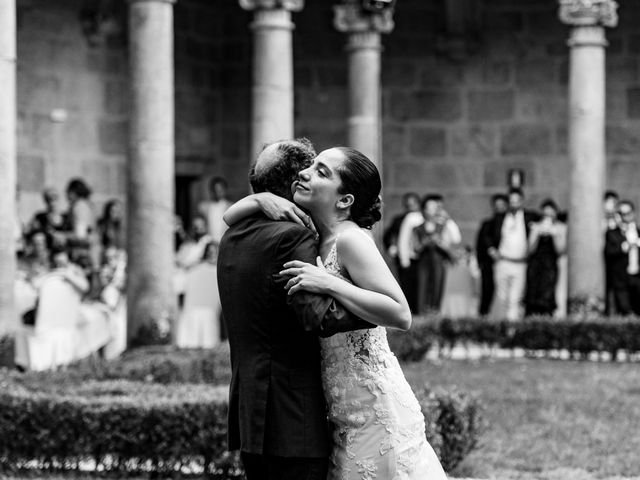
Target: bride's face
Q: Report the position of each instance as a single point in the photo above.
(317, 186)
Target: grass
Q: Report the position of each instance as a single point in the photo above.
(547, 419)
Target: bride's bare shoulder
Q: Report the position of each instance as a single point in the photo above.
(354, 240)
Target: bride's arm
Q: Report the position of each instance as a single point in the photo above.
(273, 206)
(374, 296)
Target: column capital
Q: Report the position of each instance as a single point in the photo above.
(582, 13)
(289, 5)
(350, 17)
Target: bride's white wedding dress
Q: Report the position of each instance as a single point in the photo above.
(378, 427)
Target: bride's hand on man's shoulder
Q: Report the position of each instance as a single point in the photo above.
(279, 208)
(307, 277)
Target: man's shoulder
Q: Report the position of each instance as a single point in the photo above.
(263, 227)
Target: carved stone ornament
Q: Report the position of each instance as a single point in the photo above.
(290, 5)
(351, 18)
(589, 12)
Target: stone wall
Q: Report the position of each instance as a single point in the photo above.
(73, 99)
(458, 112)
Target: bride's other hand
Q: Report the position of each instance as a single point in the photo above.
(307, 277)
(278, 208)
(274, 207)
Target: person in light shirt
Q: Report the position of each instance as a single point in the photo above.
(407, 254)
(508, 246)
(213, 209)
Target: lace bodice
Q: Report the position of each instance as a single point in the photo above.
(378, 427)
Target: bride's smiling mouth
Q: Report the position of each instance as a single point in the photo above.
(298, 185)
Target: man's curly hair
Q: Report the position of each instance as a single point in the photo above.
(293, 157)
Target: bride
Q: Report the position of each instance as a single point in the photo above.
(378, 427)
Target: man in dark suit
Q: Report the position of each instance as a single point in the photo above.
(621, 253)
(485, 261)
(508, 247)
(407, 277)
(277, 411)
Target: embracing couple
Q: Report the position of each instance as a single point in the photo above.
(315, 391)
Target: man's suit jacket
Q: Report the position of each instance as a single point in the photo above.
(494, 234)
(616, 259)
(482, 247)
(390, 236)
(276, 401)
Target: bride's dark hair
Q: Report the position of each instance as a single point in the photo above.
(360, 178)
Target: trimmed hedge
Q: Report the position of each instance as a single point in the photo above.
(454, 424)
(59, 419)
(119, 425)
(579, 335)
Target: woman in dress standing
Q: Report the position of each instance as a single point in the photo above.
(547, 242)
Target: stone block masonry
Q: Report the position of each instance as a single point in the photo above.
(500, 105)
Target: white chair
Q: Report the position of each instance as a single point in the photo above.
(54, 339)
(199, 325)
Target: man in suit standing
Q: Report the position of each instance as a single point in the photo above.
(406, 277)
(277, 411)
(621, 254)
(508, 247)
(499, 203)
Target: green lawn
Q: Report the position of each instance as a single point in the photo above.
(547, 419)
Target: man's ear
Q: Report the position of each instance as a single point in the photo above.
(345, 201)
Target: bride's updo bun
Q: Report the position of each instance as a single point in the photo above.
(360, 178)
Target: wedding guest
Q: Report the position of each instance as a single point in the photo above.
(610, 221)
(508, 247)
(192, 249)
(179, 234)
(547, 242)
(110, 225)
(621, 253)
(81, 241)
(406, 253)
(213, 209)
(52, 221)
(460, 297)
(499, 203)
(36, 260)
(72, 273)
(189, 254)
(406, 277)
(432, 249)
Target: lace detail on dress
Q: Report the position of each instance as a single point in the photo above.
(371, 403)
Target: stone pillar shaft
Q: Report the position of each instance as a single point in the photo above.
(587, 141)
(272, 102)
(7, 164)
(588, 160)
(150, 296)
(364, 94)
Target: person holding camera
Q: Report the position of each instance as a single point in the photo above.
(547, 242)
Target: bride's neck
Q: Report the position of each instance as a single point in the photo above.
(328, 225)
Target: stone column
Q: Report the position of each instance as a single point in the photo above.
(7, 163)
(150, 298)
(587, 43)
(363, 29)
(272, 101)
